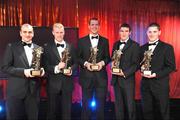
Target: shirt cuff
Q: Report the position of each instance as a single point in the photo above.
(85, 63)
(103, 63)
(56, 69)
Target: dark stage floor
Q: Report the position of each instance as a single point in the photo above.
(109, 110)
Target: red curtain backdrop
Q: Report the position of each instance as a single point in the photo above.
(111, 13)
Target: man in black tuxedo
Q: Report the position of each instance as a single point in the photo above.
(22, 88)
(124, 80)
(59, 84)
(155, 86)
(93, 81)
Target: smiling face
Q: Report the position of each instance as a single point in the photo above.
(153, 33)
(124, 33)
(94, 26)
(27, 33)
(58, 32)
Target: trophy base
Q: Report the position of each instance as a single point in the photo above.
(147, 72)
(66, 71)
(36, 73)
(94, 67)
(116, 70)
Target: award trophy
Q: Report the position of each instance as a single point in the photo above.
(116, 58)
(145, 63)
(36, 60)
(93, 57)
(65, 58)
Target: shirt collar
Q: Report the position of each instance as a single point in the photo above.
(90, 35)
(62, 42)
(156, 41)
(125, 40)
(27, 42)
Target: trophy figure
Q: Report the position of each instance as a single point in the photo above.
(116, 58)
(36, 60)
(65, 58)
(93, 57)
(145, 63)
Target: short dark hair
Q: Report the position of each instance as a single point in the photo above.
(93, 18)
(125, 25)
(154, 24)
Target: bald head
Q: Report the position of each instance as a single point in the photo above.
(26, 25)
(27, 32)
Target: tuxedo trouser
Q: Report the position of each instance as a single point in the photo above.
(87, 95)
(125, 107)
(25, 108)
(59, 105)
(155, 100)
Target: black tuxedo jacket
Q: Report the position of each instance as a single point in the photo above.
(86, 77)
(51, 58)
(162, 63)
(14, 63)
(129, 61)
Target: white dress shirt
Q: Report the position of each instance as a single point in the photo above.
(94, 41)
(28, 51)
(60, 50)
(122, 45)
(152, 47)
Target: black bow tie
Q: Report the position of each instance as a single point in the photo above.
(94, 37)
(155, 43)
(28, 44)
(122, 42)
(61, 45)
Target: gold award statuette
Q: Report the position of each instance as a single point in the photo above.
(145, 63)
(65, 58)
(116, 58)
(93, 57)
(36, 59)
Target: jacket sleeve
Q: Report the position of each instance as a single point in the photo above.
(106, 54)
(169, 63)
(80, 60)
(134, 63)
(8, 63)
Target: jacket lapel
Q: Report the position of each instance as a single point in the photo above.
(127, 45)
(99, 46)
(88, 42)
(22, 54)
(157, 49)
(55, 50)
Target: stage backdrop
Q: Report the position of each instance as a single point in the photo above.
(111, 13)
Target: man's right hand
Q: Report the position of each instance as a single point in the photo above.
(27, 72)
(88, 66)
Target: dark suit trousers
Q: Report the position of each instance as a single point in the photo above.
(87, 95)
(23, 109)
(124, 100)
(59, 102)
(154, 100)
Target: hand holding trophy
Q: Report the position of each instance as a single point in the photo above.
(93, 58)
(116, 61)
(145, 63)
(65, 58)
(36, 60)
